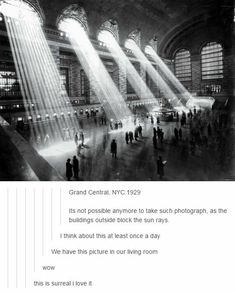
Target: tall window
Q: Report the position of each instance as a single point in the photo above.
(84, 83)
(183, 68)
(212, 61)
(64, 79)
(9, 85)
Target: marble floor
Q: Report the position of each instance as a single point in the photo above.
(138, 162)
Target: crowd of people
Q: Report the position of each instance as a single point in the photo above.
(130, 135)
(189, 132)
(115, 125)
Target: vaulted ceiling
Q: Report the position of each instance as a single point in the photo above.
(154, 17)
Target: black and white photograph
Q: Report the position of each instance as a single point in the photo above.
(124, 90)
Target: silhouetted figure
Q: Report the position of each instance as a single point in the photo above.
(160, 167)
(176, 134)
(154, 131)
(114, 149)
(75, 167)
(180, 134)
(127, 137)
(194, 111)
(190, 114)
(131, 136)
(183, 119)
(161, 135)
(177, 117)
(76, 139)
(155, 141)
(158, 120)
(158, 133)
(152, 120)
(104, 141)
(140, 129)
(69, 168)
(136, 134)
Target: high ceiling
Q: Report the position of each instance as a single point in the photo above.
(153, 17)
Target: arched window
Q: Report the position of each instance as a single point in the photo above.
(84, 83)
(183, 68)
(212, 61)
(110, 26)
(64, 79)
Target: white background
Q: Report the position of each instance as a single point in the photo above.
(195, 253)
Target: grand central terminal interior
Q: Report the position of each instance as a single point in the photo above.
(117, 90)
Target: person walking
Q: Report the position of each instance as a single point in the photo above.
(127, 137)
(158, 133)
(105, 138)
(114, 148)
(75, 167)
(154, 131)
(140, 129)
(177, 117)
(69, 168)
(136, 134)
(176, 134)
(131, 136)
(76, 138)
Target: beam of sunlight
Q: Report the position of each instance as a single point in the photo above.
(185, 97)
(60, 149)
(126, 66)
(155, 76)
(45, 101)
(201, 102)
(101, 82)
